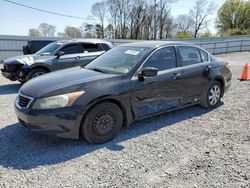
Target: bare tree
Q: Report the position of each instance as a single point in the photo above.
(72, 32)
(34, 32)
(200, 13)
(113, 12)
(163, 15)
(121, 9)
(99, 10)
(134, 19)
(169, 27)
(184, 23)
(137, 18)
(47, 30)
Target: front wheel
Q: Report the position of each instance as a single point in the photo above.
(21, 81)
(102, 123)
(213, 95)
(36, 72)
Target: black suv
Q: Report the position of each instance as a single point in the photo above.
(55, 56)
(35, 45)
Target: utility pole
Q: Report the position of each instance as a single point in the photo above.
(155, 25)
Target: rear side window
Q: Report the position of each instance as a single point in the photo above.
(72, 49)
(162, 59)
(189, 55)
(204, 56)
(105, 47)
(90, 47)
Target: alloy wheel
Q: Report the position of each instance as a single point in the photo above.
(37, 74)
(214, 95)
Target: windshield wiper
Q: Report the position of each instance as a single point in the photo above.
(97, 70)
(45, 54)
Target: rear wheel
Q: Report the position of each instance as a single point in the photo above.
(36, 72)
(102, 123)
(21, 81)
(213, 95)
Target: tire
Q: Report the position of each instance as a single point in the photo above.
(213, 95)
(36, 72)
(21, 81)
(102, 123)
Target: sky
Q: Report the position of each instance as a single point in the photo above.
(16, 20)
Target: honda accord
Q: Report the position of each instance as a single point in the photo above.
(126, 84)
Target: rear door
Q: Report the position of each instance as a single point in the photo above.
(72, 56)
(160, 93)
(195, 69)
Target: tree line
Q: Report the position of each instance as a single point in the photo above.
(147, 19)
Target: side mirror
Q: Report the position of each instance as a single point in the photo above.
(59, 53)
(148, 72)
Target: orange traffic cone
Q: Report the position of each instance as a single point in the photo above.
(244, 74)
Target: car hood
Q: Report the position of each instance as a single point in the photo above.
(60, 82)
(28, 59)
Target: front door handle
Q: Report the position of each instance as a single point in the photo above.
(77, 58)
(176, 76)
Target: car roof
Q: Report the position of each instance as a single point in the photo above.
(94, 41)
(37, 40)
(156, 44)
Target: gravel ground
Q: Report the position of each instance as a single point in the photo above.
(193, 147)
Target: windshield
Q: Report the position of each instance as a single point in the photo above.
(119, 60)
(49, 49)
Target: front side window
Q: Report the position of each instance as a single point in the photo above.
(119, 60)
(72, 49)
(162, 59)
(189, 55)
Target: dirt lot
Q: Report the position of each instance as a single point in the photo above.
(193, 147)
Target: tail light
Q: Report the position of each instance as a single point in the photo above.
(229, 67)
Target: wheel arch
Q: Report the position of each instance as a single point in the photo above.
(41, 67)
(112, 100)
(221, 81)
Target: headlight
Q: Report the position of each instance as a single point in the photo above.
(58, 101)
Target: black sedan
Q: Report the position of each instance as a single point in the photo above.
(55, 56)
(128, 83)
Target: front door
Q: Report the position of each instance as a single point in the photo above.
(72, 56)
(160, 93)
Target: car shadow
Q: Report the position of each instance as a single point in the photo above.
(9, 89)
(22, 149)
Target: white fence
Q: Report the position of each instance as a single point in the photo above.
(11, 46)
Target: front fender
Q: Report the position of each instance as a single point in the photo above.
(122, 101)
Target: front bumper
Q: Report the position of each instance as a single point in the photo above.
(59, 122)
(13, 76)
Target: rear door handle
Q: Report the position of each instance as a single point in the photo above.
(176, 76)
(207, 68)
